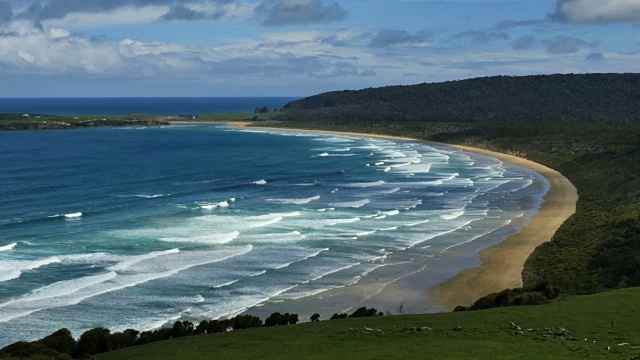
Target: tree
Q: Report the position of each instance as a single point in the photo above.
(124, 339)
(364, 312)
(201, 328)
(245, 322)
(180, 329)
(27, 350)
(274, 319)
(217, 326)
(94, 341)
(61, 341)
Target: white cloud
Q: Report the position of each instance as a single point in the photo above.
(120, 16)
(299, 12)
(599, 10)
(316, 60)
(58, 33)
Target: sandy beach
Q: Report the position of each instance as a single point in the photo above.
(502, 265)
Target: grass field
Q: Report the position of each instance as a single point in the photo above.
(601, 326)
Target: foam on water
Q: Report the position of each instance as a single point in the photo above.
(132, 260)
(60, 287)
(325, 274)
(332, 222)
(352, 204)
(213, 239)
(222, 204)
(295, 201)
(8, 247)
(272, 221)
(13, 269)
(143, 272)
(453, 215)
(364, 185)
(292, 236)
(229, 283)
(312, 255)
(142, 196)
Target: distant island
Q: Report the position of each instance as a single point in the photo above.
(56, 122)
(53, 122)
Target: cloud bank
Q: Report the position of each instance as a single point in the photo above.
(299, 12)
(388, 37)
(269, 12)
(587, 11)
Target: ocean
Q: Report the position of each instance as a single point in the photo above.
(138, 227)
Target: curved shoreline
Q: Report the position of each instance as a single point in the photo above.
(502, 265)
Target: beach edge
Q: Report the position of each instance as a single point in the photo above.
(501, 265)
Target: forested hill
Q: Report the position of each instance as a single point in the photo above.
(587, 98)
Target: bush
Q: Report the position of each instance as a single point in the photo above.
(61, 341)
(26, 350)
(364, 312)
(538, 295)
(94, 341)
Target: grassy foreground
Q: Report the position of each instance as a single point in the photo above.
(601, 326)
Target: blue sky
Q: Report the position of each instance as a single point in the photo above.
(300, 47)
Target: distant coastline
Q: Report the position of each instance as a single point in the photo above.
(502, 265)
(12, 122)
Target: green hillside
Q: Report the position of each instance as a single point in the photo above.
(594, 326)
(590, 98)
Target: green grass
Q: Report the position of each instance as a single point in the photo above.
(604, 320)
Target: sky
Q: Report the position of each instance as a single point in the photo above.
(77, 48)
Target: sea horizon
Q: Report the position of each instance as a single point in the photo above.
(166, 106)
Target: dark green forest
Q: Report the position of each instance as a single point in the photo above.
(592, 98)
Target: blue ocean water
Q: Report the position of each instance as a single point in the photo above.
(134, 227)
(132, 105)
